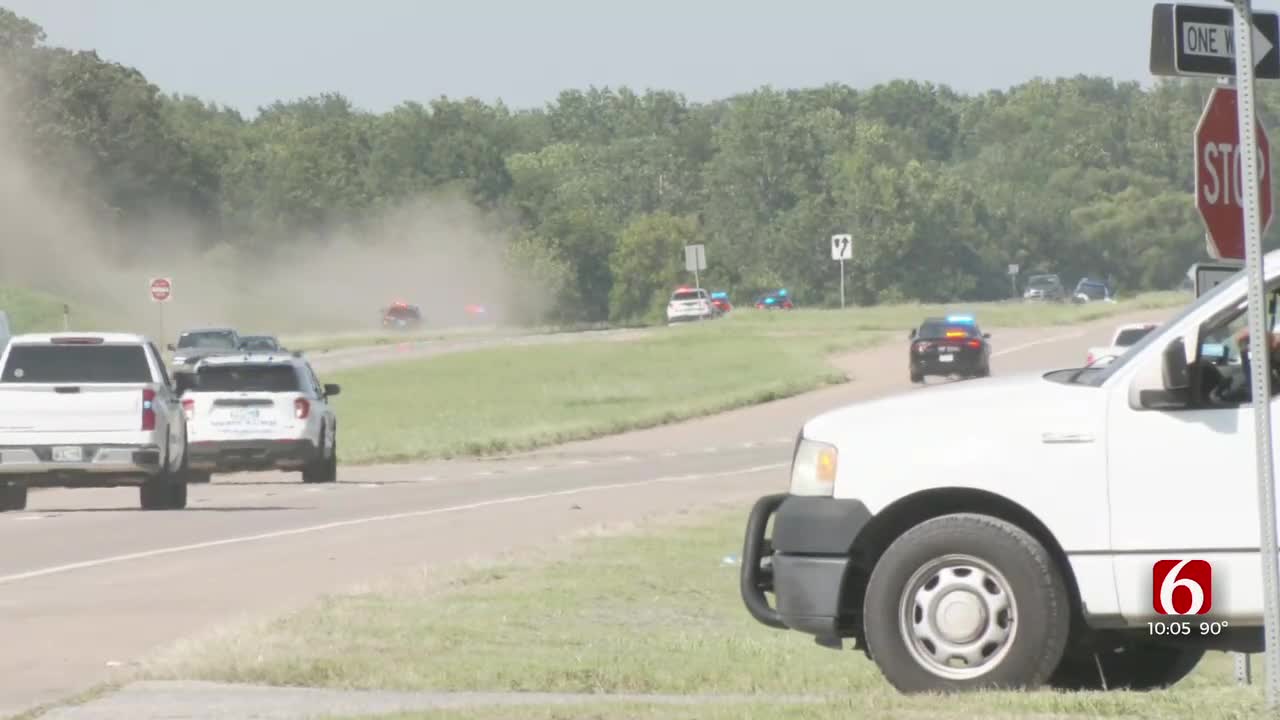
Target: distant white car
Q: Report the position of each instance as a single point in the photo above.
(260, 411)
(690, 304)
(1125, 336)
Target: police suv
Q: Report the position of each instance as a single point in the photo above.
(260, 411)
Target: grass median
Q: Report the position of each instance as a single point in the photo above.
(655, 611)
(509, 399)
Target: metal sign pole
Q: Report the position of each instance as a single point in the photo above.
(1259, 347)
(841, 283)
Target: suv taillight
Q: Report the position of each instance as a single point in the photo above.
(301, 408)
(189, 408)
(975, 343)
(148, 409)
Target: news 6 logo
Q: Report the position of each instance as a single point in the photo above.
(1193, 577)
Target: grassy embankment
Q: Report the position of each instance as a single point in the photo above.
(656, 611)
(505, 399)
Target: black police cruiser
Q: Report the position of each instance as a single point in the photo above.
(951, 345)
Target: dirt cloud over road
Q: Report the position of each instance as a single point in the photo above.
(56, 236)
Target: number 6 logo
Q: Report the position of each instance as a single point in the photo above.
(1194, 576)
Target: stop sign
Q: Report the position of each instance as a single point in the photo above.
(161, 289)
(1219, 196)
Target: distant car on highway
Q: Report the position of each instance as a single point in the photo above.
(949, 346)
(193, 345)
(779, 299)
(1091, 291)
(260, 411)
(690, 304)
(720, 300)
(401, 316)
(1125, 336)
(260, 343)
(1047, 287)
(90, 411)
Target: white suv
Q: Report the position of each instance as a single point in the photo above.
(260, 411)
(690, 304)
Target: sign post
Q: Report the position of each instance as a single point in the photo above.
(695, 259)
(1233, 195)
(842, 249)
(1013, 279)
(1257, 210)
(161, 290)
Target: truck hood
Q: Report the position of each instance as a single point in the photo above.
(963, 418)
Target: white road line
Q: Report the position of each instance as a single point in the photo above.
(354, 522)
(1041, 341)
(580, 462)
(670, 454)
(531, 468)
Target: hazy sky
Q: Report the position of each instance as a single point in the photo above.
(247, 53)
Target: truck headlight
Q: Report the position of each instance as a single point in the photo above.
(813, 470)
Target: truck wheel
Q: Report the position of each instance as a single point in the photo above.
(13, 497)
(1138, 667)
(917, 378)
(966, 602)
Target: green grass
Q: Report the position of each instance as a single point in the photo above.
(508, 399)
(650, 612)
(502, 400)
(31, 311)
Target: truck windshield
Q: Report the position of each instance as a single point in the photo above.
(247, 378)
(74, 364)
(208, 340)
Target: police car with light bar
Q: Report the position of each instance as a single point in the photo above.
(949, 346)
(260, 411)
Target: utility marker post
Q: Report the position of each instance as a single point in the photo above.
(842, 249)
(1013, 280)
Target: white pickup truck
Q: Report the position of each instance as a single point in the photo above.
(1078, 528)
(89, 410)
(1124, 338)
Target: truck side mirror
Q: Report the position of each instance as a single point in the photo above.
(171, 347)
(912, 334)
(332, 389)
(1175, 375)
(1175, 371)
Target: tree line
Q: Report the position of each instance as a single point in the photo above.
(600, 189)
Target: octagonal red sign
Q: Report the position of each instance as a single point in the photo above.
(1218, 175)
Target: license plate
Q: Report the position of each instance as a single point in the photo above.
(945, 358)
(68, 454)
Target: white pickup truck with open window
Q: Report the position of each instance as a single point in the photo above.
(89, 411)
(1004, 532)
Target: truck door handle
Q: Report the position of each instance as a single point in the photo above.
(1065, 438)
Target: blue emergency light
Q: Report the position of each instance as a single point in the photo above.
(719, 295)
(960, 319)
(768, 301)
(782, 292)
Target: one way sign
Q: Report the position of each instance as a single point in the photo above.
(1198, 40)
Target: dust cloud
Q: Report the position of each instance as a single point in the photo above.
(437, 251)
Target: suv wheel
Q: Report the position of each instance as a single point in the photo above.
(13, 497)
(966, 602)
(323, 469)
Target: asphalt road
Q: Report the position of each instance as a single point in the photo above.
(89, 584)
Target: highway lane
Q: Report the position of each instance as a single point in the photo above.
(90, 582)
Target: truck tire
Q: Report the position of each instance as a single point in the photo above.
(13, 497)
(971, 588)
(917, 378)
(1138, 667)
